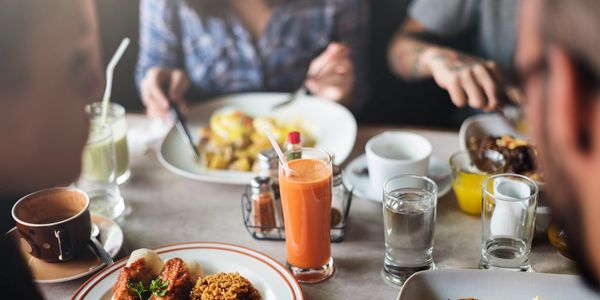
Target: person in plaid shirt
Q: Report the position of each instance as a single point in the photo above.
(197, 49)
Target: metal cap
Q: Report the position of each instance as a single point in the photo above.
(337, 175)
(260, 184)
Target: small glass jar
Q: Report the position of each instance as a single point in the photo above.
(116, 119)
(263, 204)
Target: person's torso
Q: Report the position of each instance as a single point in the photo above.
(221, 57)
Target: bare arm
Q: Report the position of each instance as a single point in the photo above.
(407, 50)
(415, 55)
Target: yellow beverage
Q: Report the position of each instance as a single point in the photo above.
(467, 180)
(467, 188)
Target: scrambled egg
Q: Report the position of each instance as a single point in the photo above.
(234, 139)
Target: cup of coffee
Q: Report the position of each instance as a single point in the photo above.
(55, 222)
(394, 153)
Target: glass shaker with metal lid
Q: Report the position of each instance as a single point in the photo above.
(340, 194)
(263, 204)
(268, 166)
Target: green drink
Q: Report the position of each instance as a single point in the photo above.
(98, 161)
(122, 155)
(116, 119)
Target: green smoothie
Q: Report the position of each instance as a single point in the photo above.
(98, 155)
(121, 155)
(116, 119)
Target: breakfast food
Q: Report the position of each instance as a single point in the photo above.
(224, 286)
(143, 266)
(179, 279)
(520, 156)
(234, 139)
(147, 277)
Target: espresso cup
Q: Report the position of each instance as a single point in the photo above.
(54, 222)
(394, 153)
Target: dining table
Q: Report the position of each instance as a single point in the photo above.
(165, 208)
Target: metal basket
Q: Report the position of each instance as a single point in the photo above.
(278, 233)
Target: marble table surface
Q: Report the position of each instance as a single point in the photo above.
(166, 208)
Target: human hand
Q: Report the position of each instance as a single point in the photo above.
(331, 74)
(154, 97)
(469, 80)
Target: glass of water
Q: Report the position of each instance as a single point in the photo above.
(409, 212)
(98, 177)
(508, 218)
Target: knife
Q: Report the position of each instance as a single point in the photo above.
(182, 128)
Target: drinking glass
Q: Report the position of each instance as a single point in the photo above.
(98, 178)
(508, 217)
(409, 210)
(467, 179)
(306, 193)
(116, 119)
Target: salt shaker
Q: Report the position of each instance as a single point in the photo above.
(339, 196)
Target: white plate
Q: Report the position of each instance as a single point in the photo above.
(439, 171)
(332, 125)
(490, 285)
(481, 126)
(269, 277)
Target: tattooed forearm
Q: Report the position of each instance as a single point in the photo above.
(406, 60)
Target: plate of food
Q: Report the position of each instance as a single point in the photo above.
(488, 285)
(481, 133)
(195, 271)
(229, 134)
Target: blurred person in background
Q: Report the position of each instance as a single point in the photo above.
(474, 78)
(49, 70)
(198, 49)
(558, 64)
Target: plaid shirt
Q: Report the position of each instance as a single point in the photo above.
(220, 57)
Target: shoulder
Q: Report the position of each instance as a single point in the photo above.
(161, 5)
(445, 17)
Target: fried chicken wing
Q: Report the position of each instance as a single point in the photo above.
(143, 266)
(181, 278)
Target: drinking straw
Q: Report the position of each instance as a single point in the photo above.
(276, 147)
(109, 76)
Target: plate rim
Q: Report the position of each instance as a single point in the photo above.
(232, 98)
(477, 271)
(441, 193)
(292, 284)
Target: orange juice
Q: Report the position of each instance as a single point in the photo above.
(467, 188)
(306, 201)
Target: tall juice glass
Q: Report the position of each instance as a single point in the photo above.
(306, 194)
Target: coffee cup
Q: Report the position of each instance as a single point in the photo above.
(54, 222)
(394, 153)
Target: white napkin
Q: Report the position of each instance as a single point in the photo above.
(145, 133)
(508, 215)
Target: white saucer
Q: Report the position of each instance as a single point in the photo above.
(439, 171)
(111, 237)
